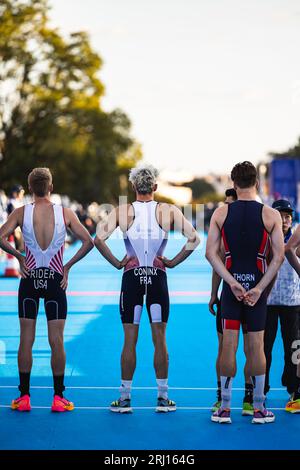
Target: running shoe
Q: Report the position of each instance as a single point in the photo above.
(222, 416)
(121, 406)
(164, 405)
(216, 406)
(263, 416)
(293, 406)
(61, 404)
(248, 409)
(21, 403)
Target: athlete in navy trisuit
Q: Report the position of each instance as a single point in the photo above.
(246, 228)
(145, 225)
(230, 196)
(44, 275)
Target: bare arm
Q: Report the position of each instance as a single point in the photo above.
(213, 254)
(215, 284)
(104, 231)
(188, 231)
(14, 220)
(277, 243)
(271, 285)
(292, 250)
(83, 235)
(8, 229)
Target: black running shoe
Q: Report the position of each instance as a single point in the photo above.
(121, 406)
(164, 405)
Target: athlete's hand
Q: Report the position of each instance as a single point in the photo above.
(64, 281)
(213, 301)
(23, 268)
(252, 296)
(123, 262)
(238, 291)
(169, 263)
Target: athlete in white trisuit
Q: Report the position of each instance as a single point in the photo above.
(43, 225)
(145, 225)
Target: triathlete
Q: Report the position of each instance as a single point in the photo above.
(145, 225)
(230, 196)
(246, 228)
(43, 226)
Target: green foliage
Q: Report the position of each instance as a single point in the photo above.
(209, 197)
(200, 188)
(50, 108)
(293, 152)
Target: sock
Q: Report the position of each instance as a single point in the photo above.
(248, 393)
(162, 388)
(24, 383)
(125, 389)
(226, 387)
(258, 391)
(219, 392)
(59, 387)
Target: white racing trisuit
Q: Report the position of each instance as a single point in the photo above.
(145, 273)
(46, 269)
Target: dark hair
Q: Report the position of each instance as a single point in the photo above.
(244, 175)
(231, 192)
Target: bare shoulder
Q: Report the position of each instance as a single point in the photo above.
(69, 215)
(17, 215)
(169, 214)
(271, 217)
(166, 207)
(124, 210)
(124, 216)
(219, 215)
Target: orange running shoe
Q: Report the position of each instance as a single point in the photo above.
(21, 403)
(293, 406)
(61, 404)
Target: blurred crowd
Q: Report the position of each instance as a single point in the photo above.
(89, 216)
(17, 197)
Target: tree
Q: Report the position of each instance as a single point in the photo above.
(53, 116)
(292, 152)
(200, 188)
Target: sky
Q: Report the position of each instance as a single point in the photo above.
(206, 83)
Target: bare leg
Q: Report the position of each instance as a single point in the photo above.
(56, 341)
(228, 354)
(220, 339)
(257, 356)
(27, 338)
(128, 358)
(161, 358)
(247, 364)
(257, 367)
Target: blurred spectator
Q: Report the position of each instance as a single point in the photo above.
(3, 207)
(16, 199)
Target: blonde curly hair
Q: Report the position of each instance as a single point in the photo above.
(143, 178)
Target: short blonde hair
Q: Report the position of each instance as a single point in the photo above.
(40, 180)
